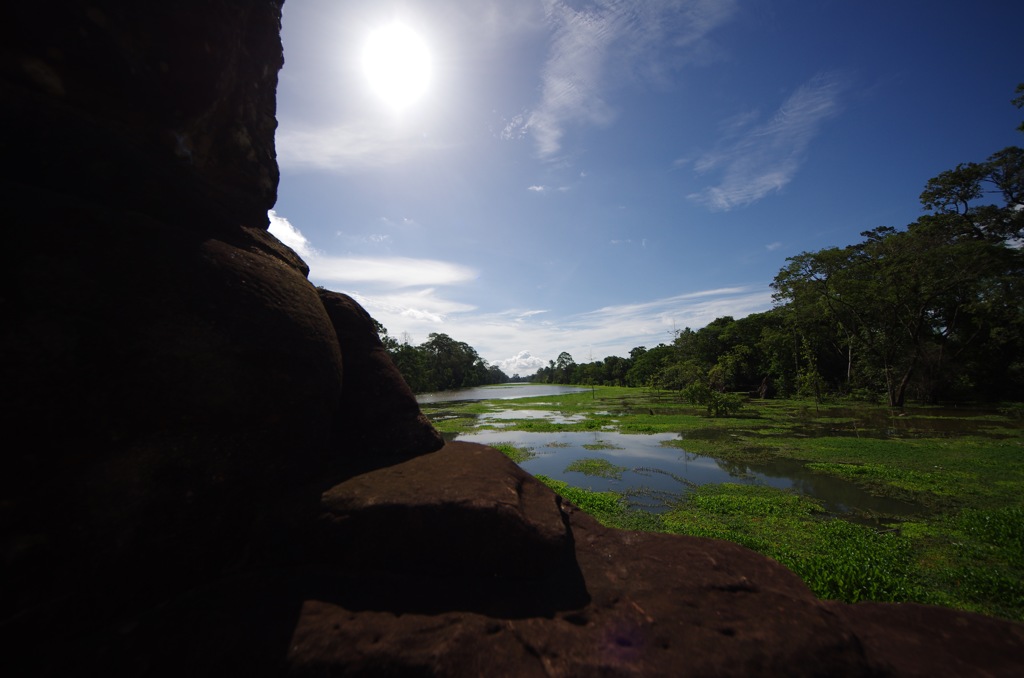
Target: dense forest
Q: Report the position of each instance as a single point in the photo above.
(932, 312)
(440, 363)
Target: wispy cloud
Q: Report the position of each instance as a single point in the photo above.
(651, 319)
(420, 296)
(391, 272)
(412, 308)
(349, 147)
(503, 337)
(754, 160)
(402, 288)
(596, 47)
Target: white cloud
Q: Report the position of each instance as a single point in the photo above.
(514, 128)
(420, 296)
(655, 319)
(404, 289)
(522, 363)
(283, 230)
(597, 47)
(772, 246)
(612, 330)
(416, 308)
(388, 272)
(526, 314)
(354, 146)
(536, 188)
(755, 160)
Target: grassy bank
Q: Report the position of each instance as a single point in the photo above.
(963, 548)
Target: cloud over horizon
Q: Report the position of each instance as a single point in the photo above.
(402, 294)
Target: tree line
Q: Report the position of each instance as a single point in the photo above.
(440, 363)
(934, 311)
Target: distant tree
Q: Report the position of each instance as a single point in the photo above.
(564, 369)
(648, 364)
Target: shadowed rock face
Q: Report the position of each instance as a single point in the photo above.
(213, 468)
(173, 385)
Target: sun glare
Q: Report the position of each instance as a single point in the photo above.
(396, 62)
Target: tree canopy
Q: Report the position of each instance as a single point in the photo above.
(440, 363)
(932, 311)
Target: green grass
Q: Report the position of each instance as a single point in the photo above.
(605, 506)
(964, 549)
(973, 559)
(601, 468)
(836, 559)
(516, 454)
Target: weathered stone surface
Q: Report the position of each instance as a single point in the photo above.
(630, 604)
(918, 640)
(163, 108)
(643, 604)
(622, 604)
(464, 511)
(169, 392)
(383, 420)
(172, 382)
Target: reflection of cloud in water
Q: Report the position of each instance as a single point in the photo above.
(657, 469)
(547, 415)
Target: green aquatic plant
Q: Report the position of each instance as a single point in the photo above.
(601, 468)
(963, 468)
(836, 559)
(516, 454)
(850, 562)
(602, 505)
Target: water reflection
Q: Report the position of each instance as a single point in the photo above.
(659, 470)
(497, 392)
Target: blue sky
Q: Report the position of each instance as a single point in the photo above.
(589, 176)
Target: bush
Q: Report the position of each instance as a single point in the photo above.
(717, 403)
(601, 505)
(854, 562)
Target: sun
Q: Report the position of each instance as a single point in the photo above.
(397, 64)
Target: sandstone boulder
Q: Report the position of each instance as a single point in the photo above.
(382, 422)
(173, 384)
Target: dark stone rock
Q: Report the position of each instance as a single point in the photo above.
(919, 640)
(640, 603)
(484, 517)
(166, 108)
(382, 420)
(172, 383)
(169, 393)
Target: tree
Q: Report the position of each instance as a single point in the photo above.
(440, 363)
(921, 304)
(912, 297)
(648, 364)
(563, 369)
